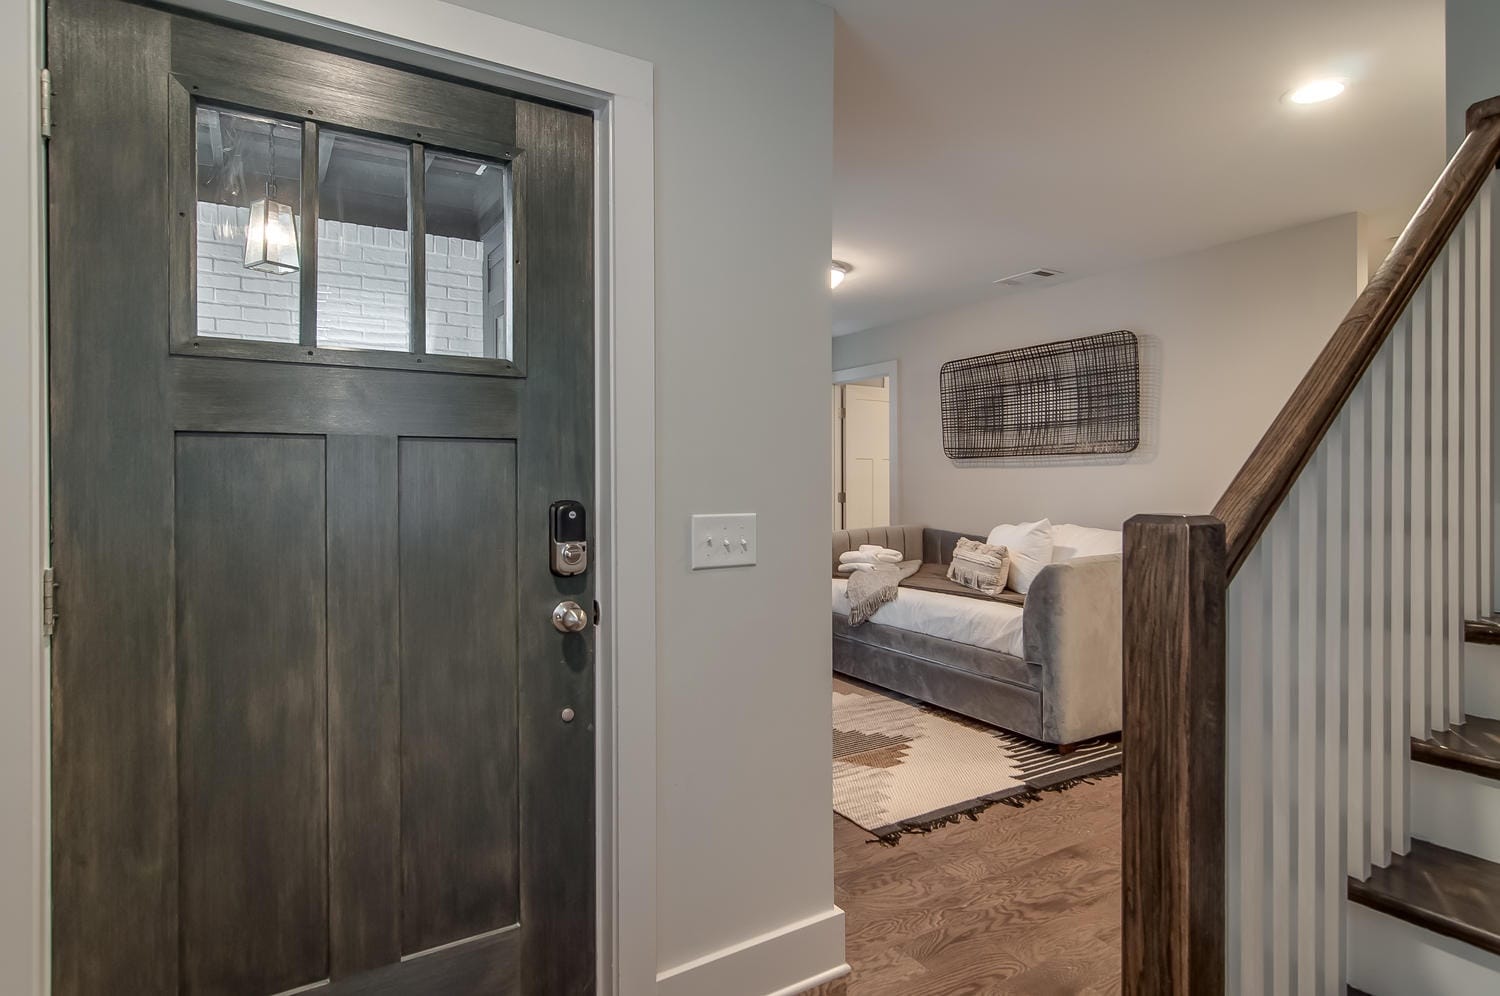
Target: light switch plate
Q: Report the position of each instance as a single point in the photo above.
(723, 541)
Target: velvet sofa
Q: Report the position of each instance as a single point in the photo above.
(1061, 684)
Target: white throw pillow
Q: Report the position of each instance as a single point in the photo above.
(1030, 546)
(1070, 542)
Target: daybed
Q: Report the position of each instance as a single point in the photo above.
(1048, 668)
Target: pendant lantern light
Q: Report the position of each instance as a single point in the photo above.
(271, 244)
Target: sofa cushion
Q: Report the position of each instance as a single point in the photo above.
(977, 622)
(934, 577)
(1030, 546)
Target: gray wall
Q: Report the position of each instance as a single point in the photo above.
(1226, 333)
(744, 132)
(1473, 73)
(1473, 70)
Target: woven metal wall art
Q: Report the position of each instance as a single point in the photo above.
(1077, 396)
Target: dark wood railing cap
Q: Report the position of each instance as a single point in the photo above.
(1261, 485)
(1479, 111)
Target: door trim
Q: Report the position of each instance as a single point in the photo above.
(886, 369)
(619, 91)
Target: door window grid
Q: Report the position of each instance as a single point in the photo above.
(358, 287)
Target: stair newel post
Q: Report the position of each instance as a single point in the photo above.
(1174, 706)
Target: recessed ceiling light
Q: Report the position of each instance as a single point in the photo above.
(837, 272)
(1316, 91)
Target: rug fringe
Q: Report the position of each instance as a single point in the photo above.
(1016, 800)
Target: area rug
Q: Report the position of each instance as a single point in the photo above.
(901, 766)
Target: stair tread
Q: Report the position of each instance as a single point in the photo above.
(1485, 629)
(1473, 746)
(1445, 891)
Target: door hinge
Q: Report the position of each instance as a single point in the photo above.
(46, 109)
(843, 498)
(49, 603)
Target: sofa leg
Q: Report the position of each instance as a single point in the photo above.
(1064, 749)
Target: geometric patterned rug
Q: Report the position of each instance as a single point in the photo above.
(902, 766)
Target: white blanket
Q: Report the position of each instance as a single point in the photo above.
(972, 621)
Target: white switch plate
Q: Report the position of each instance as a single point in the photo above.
(723, 541)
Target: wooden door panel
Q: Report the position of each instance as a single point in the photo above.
(459, 795)
(215, 395)
(364, 705)
(252, 795)
(114, 842)
(302, 599)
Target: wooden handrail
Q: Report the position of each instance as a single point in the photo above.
(1261, 485)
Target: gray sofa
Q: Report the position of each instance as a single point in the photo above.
(1065, 690)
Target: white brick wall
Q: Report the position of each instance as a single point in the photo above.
(362, 288)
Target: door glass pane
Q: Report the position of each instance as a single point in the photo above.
(467, 213)
(364, 284)
(249, 208)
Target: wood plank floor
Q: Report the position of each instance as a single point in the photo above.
(1019, 901)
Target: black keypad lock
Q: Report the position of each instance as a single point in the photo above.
(570, 546)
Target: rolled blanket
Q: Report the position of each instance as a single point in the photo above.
(870, 555)
(869, 589)
(854, 568)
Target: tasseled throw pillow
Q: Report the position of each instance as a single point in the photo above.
(980, 566)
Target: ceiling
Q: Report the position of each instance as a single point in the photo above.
(978, 138)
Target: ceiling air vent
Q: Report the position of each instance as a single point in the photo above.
(1026, 278)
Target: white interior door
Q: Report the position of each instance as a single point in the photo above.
(867, 455)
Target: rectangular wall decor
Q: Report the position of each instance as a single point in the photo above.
(1079, 396)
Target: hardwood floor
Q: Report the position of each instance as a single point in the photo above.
(1019, 901)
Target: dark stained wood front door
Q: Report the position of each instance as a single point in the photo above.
(312, 725)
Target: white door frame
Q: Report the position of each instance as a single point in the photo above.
(886, 369)
(619, 91)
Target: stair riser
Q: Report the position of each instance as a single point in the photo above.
(1456, 809)
(1390, 956)
(1482, 680)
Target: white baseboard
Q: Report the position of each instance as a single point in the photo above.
(1387, 955)
(782, 962)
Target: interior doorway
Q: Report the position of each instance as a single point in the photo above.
(863, 418)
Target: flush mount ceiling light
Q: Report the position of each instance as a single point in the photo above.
(837, 272)
(1316, 91)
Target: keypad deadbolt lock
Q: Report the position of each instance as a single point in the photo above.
(570, 545)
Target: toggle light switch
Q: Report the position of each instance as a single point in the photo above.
(723, 541)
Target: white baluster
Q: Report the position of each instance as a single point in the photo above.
(1381, 654)
(1399, 586)
(1418, 653)
(1359, 660)
(1332, 861)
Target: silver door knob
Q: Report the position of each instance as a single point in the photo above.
(569, 617)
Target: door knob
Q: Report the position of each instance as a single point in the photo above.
(569, 617)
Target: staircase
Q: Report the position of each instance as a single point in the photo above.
(1312, 679)
(1429, 922)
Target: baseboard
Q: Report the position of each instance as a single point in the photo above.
(782, 962)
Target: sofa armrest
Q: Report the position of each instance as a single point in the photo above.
(1072, 629)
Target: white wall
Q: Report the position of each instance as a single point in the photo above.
(744, 131)
(1226, 333)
